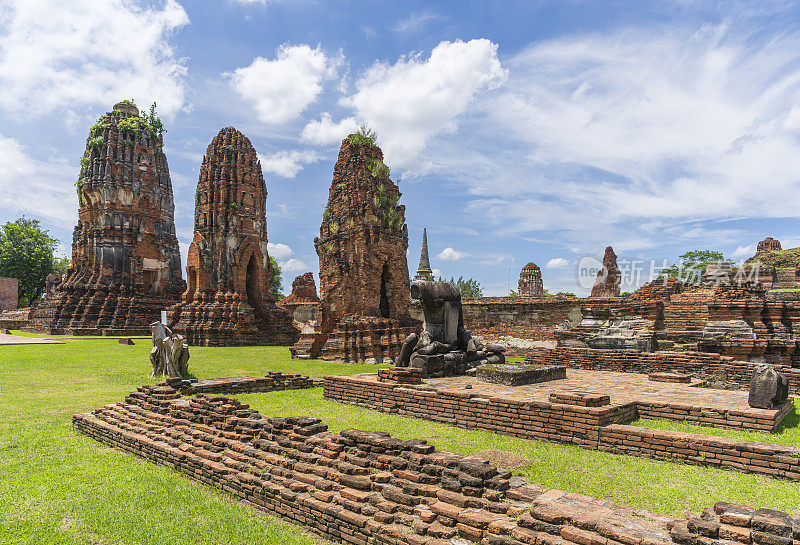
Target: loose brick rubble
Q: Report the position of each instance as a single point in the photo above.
(364, 284)
(366, 487)
(125, 259)
(227, 300)
(590, 410)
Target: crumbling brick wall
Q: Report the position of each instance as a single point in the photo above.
(367, 487)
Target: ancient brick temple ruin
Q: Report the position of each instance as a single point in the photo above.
(608, 278)
(227, 300)
(769, 244)
(364, 284)
(125, 260)
(749, 312)
(530, 281)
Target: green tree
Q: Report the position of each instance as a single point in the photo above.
(26, 253)
(466, 286)
(692, 265)
(61, 264)
(513, 293)
(276, 281)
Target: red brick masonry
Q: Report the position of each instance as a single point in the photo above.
(239, 385)
(366, 487)
(598, 428)
(698, 364)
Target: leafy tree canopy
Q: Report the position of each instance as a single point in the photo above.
(276, 280)
(692, 265)
(466, 286)
(26, 253)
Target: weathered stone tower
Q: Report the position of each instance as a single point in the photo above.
(609, 277)
(364, 284)
(424, 271)
(530, 281)
(125, 260)
(227, 300)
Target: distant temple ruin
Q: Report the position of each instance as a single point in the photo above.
(125, 259)
(227, 300)
(530, 281)
(424, 271)
(608, 278)
(364, 283)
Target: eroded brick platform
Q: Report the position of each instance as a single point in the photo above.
(530, 412)
(272, 382)
(697, 364)
(367, 487)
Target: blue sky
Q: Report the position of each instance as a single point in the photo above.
(521, 131)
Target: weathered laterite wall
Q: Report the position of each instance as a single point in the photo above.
(365, 487)
(536, 318)
(9, 293)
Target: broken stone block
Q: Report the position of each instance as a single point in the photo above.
(516, 374)
(768, 387)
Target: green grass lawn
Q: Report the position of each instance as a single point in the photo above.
(57, 486)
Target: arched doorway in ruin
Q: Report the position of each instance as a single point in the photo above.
(385, 290)
(251, 282)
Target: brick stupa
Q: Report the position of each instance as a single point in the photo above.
(608, 278)
(125, 260)
(530, 281)
(227, 300)
(364, 283)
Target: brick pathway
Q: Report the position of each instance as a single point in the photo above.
(17, 339)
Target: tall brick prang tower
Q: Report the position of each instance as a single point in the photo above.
(125, 260)
(227, 300)
(530, 281)
(364, 284)
(609, 278)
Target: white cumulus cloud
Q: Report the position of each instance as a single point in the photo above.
(287, 163)
(557, 263)
(61, 55)
(281, 88)
(279, 251)
(451, 254)
(415, 98)
(326, 131)
(40, 188)
(293, 265)
(744, 251)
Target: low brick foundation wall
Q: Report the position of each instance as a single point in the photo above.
(365, 487)
(763, 458)
(698, 364)
(239, 385)
(597, 428)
